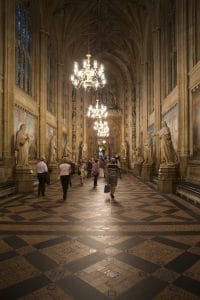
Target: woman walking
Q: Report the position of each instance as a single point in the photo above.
(65, 170)
(95, 171)
(112, 176)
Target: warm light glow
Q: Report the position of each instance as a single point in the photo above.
(102, 128)
(97, 112)
(88, 76)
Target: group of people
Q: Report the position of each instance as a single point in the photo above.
(109, 168)
(66, 170)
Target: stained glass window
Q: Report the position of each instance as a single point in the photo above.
(23, 45)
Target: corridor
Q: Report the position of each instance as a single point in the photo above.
(141, 246)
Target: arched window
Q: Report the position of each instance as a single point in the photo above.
(172, 51)
(23, 45)
(196, 31)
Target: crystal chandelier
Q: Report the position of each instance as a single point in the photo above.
(97, 112)
(103, 132)
(101, 125)
(89, 76)
(102, 128)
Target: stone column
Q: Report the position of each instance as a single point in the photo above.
(182, 81)
(42, 91)
(138, 112)
(133, 98)
(157, 91)
(8, 87)
(1, 85)
(59, 109)
(74, 117)
(144, 100)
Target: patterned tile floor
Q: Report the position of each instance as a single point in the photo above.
(143, 245)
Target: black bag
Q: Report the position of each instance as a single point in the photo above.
(106, 188)
(47, 178)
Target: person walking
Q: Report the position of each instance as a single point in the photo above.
(83, 171)
(65, 170)
(95, 171)
(42, 170)
(112, 176)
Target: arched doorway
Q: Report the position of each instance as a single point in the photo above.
(109, 145)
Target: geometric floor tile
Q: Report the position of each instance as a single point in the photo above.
(143, 245)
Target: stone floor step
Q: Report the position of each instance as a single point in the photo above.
(10, 198)
(7, 190)
(188, 194)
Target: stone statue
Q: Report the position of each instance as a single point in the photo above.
(138, 156)
(123, 151)
(22, 146)
(148, 149)
(168, 155)
(66, 150)
(52, 150)
(84, 151)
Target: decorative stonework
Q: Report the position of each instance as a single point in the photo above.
(74, 124)
(167, 179)
(21, 116)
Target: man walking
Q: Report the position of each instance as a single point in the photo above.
(41, 174)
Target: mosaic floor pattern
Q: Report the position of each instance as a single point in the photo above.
(142, 245)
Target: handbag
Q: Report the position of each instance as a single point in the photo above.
(106, 188)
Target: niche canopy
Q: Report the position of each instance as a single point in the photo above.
(90, 76)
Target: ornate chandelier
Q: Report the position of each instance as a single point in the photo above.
(103, 132)
(89, 76)
(101, 125)
(97, 112)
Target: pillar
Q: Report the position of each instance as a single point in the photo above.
(59, 109)
(182, 81)
(157, 91)
(43, 91)
(8, 87)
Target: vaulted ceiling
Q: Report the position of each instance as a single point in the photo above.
(113, 31)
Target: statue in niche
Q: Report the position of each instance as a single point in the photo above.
(66, 150)
(138, 156)
(22, 146)
(52, 149)
(84, 152)
(148, 149)
(123, 151)
(168, 155)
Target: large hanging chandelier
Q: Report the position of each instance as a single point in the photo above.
(103, 132)
(101, 125)
(89, 76)
(97, 112)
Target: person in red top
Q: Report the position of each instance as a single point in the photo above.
(95, 171)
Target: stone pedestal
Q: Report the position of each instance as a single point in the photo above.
(54, 171)
(137, 168)
(124, 164)
(167, 179)
(146, 172)
(24, 179)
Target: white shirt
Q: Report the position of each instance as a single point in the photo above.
(65, 169)
(42, 167)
